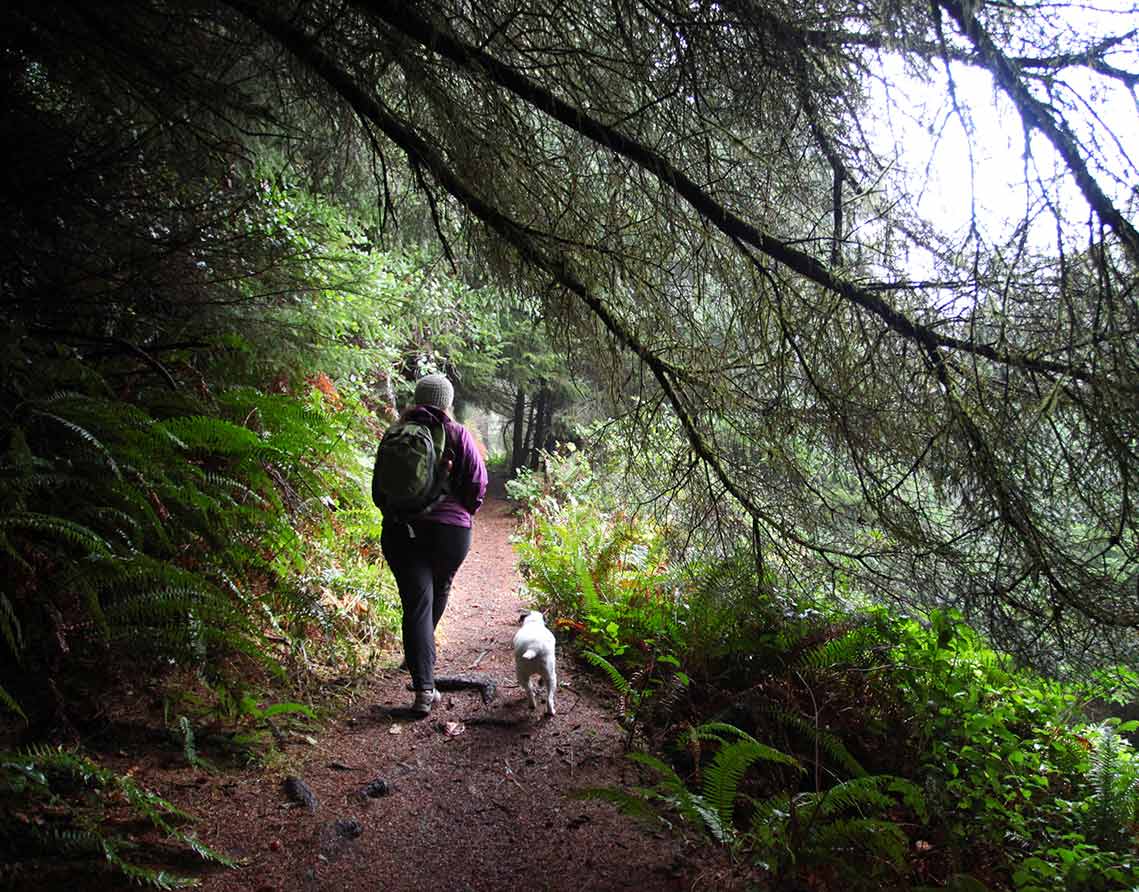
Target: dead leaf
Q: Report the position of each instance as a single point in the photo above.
(454, 729)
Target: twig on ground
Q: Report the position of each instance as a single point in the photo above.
(478, 660)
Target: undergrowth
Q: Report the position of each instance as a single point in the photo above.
(57, 803)
(862, 750)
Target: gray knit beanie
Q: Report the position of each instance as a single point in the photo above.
(434, 390)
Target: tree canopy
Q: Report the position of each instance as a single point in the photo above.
(715, 205)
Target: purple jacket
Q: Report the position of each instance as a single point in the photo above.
(468, 472)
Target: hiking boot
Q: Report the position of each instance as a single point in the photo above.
(424, 700)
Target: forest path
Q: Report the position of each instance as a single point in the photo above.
(482, 809)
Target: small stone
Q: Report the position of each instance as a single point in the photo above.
(348, 828)
(300, 792)
(376, 788)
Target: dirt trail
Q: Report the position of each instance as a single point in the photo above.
(483, 809)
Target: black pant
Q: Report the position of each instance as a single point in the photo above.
(423, 565)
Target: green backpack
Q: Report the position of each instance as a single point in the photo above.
(410, 475)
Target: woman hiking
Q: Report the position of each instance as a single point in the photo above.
(425, 547)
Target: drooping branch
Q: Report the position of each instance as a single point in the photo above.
(1012, 518)
(404, 20)
(419, 152)
(1037, 116)
(1093, 57)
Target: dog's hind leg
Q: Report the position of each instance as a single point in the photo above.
(525, 682)
(551, 684)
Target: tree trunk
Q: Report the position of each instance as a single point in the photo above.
(538, 426)
(517, 450)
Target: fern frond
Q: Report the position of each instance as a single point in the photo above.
(721, 829)
(148, 804)
(10, 626)
(114, 524)
(730, 764)
(828, 741)
(58, 528)
(669, 779)
(9, 703)
(862, 794)
(224, 483)
(1114, 788)
(882, 839)
(67, 841)
(86, 437)
(159, 879)
(95, 411)
(10, 550)
(634, 804)
(202, 433)
(619, 681)
(718, 731)
(203, 851)
(769, 815)
(590, 599)
(846, 650)
(175, 603)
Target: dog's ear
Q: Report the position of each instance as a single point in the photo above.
(522, 616)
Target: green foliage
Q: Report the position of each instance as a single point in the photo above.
(60, 802)
(1113, 778)
(787, 831)
(1005, 758)
(964, 745)
(188, 749)
(652, 688)
(154, 546)
(605, 572)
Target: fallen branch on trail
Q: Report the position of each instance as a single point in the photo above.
(486, 688)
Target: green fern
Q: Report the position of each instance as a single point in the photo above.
(871, 793)
(590, 599)
(635, 802)
(159, 879)
(674, 793)
(723, 776)
(37, 775)
(58, 528)
(806, 827)
(9, 703)
(67, 842)
(827, 741)
(846, 650)
(877, 839)
(1114, 784)
(158, 518)
(203, 434)
(203, 851)
(711, 810)
(718, 731)
(624, 688)
(10, 626)
(86, 437)
(189, 749)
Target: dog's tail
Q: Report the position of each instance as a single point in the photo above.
(530, 653)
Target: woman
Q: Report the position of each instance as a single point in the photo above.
(425, 554)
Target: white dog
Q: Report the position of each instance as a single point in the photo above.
(534, 655)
